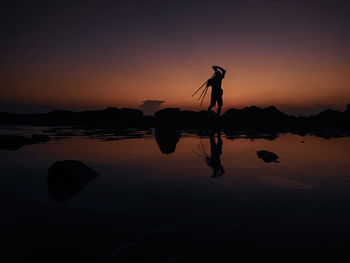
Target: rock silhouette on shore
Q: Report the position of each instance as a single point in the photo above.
(14, 142)
(328, 123)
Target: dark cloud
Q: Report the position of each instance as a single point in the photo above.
(149, 107)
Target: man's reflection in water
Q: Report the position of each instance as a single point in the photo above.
(214, 161)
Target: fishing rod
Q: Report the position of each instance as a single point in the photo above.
(204, 95)
(202, 85)
(199, 88)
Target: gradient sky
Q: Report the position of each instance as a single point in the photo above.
(94, 54)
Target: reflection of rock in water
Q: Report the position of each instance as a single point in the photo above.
(267, 156)
(67, 178)
(167, 139)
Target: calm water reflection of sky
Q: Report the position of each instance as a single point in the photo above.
(302, 192)
(305, 164)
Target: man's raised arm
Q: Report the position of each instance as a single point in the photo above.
(222, 71)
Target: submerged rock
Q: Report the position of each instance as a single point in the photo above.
(13, 142)
(267, 156)
(36, 138)
(67, 178)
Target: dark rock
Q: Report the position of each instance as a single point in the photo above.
(327, 119)
(36, 138)
(267, 156)
(67, 178)
(255, 117)
(175, 118)
(168, 117)
(110, 117)
(347, 116)
(264, 120)
(107, 117)
(13, 142)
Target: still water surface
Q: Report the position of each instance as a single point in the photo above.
(207, 192)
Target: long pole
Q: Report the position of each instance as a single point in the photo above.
(199, 88)
(202, 85)
(204, 95)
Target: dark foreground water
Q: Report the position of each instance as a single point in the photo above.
(208, 198)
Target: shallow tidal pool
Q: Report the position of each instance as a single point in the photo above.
(173, 198)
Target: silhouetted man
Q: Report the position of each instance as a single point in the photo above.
(216, 90)
(214, 161)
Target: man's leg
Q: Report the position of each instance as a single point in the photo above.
(219, 105)
(212, 102)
